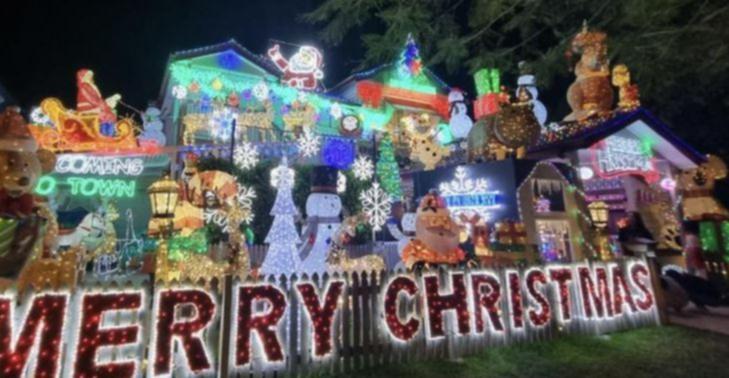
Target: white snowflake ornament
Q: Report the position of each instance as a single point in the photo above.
(308, 143)
(245, 155)
(363, 168)
(376, 206)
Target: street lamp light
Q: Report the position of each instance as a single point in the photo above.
(163, 198)
(599, 212)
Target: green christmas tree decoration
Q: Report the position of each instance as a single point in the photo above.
(387, 170)
(410, 62)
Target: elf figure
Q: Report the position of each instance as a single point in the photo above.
(302, 70)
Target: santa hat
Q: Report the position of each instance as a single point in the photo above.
(432, 202)
(456, 95)
(14, 132)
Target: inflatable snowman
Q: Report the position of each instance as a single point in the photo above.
(436, 236)
(323, 207)
(153, 126)
(460, 123)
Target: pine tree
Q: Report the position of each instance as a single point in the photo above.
(282, 256)
(387, 169)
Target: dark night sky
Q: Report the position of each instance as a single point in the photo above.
(127, 43)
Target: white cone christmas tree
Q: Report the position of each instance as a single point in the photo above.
(282, 238)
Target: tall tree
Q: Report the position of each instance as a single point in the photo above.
(675, 49)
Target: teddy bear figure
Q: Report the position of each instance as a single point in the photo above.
(436, 236)
(21, 165)
(697, 186)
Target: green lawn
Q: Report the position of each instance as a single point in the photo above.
(648, 352)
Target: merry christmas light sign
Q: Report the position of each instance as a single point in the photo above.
(619, 156)
(178, 330)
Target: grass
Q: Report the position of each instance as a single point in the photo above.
(648, 352)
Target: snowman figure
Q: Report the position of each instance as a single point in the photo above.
(153, 125)
(408, 230)
(460, 123)
(323, 207)
(529, 82)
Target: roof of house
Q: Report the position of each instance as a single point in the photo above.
(640, 121)
(372, 72)
(231, 45)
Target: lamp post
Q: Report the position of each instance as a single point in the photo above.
(163, 199)
(599, 213)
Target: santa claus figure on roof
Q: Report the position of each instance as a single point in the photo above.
(302, 70)
(90, 101)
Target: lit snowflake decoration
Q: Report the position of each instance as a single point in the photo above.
(463, 185)
(260, 91)
(246, 195)
(179, 91)
(39, 117)
(335, 111)
(282, 177)
(363, 168)
(221, 124)
(375, 205)
(308, 143)
(341, 182)
(245, 155)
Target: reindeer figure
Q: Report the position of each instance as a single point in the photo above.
(338, 259)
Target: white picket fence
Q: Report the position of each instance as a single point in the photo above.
(361, 340)
(360, 337)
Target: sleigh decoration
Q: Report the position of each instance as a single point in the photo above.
(72, 131)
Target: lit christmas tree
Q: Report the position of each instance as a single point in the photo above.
(387, 169)
(410, 63)
(282, 238)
